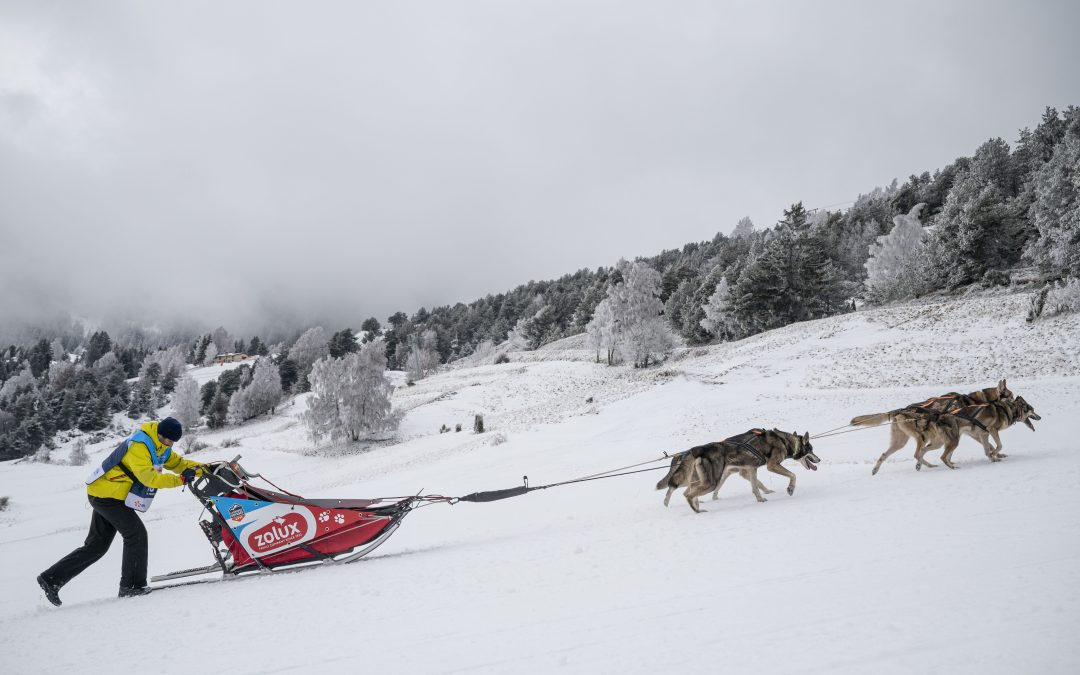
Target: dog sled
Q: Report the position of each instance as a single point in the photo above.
(252, 529)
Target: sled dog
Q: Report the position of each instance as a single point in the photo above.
(682, 465)
(985, 421)
(903, 419)
(931, 429)
(712, 463)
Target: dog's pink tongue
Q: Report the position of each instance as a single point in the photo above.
(813, 467)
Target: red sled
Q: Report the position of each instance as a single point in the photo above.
(253, 529)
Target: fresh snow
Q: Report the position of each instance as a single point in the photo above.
(975, 570)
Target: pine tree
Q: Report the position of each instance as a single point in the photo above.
(200, 350)
(217, 414)
(99, 345)
(257, 348)
(95, 414)
(1055, 208)
(342, 342)
(288, 372)
(168, 380)
(744, 228)
(40, 357)
(142, 399)
(979, 228)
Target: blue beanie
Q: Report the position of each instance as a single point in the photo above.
(169, 428)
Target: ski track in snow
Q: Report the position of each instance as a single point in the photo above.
(975, 570)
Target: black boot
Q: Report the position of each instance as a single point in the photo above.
(128, 592)
(52, 591)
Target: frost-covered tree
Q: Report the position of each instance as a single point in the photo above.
(221, 340)
(980, 227)
(210, 354)
(643, 335)
(58, 351)
(421, 359)
(186, 403)
(517, 337)
(647, 340)
(1055, 211)
(897, 265)
(174, 358)
(351, 396)
(311, 346)
(260, 396)
(744, 228)
(601, 332)
(78, 456)
(718, 310)
(264, 392)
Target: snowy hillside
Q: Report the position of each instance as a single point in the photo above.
(975, 570)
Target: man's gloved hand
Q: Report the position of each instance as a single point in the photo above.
(188, 476)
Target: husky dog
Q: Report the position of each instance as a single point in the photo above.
(907, 421)
(710, 464)
(987, 420)
(931, 429)
(681, 469)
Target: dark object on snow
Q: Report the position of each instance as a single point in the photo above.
(126, 592)
(170, 428)
(495, 495)
(478, 424)
(52, 591)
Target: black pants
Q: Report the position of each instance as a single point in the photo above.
(110, 516)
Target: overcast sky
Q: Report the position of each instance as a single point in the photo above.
(235, 162)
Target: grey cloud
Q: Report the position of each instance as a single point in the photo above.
(234, 162)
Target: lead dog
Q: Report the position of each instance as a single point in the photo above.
(987, 420)
(913, 421)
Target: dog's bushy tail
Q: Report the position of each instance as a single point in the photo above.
(668, 481)
(870, 420)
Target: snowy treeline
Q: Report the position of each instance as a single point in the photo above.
(969, 222)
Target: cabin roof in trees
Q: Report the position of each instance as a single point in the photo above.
(231, 357)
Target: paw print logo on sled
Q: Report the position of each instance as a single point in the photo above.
(339, 519)
(324, 516)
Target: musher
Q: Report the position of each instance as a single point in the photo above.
(125, 483)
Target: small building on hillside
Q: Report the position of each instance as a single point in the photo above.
(233, 357)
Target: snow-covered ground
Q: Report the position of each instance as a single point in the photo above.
(975, 570)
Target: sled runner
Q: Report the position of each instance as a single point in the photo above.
(253, 529)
